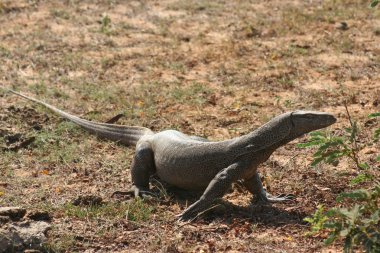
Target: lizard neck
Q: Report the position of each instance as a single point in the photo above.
(271, 135)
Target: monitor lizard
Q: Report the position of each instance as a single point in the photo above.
(195, 163)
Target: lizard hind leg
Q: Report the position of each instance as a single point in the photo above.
(142, 168)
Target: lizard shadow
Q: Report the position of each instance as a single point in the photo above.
(268, 214)
(264, 214)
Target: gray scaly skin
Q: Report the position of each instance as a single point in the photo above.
(194, 163)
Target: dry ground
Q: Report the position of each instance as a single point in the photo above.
(210, 68)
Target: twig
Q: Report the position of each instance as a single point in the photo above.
(354, 154)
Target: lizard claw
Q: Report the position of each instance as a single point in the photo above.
(265, 198)
(143, 192)
(191, 212)
(186, 216)
(134, 193)
(286, 197)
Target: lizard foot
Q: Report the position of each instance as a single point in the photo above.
(135, 192)
(183, 217)
(197, 209)
(265, 198)
(192, 212)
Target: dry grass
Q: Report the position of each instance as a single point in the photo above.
(215, 69)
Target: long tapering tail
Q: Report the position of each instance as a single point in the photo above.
(127, 135)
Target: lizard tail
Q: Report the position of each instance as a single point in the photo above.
(127, 135)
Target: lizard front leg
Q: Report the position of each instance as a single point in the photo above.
(255, 187)
(216, 189)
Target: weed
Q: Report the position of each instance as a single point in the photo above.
(359, 224)
(195, 94)
(38, 88)
(374, 3)
(331, 147)
(7, 159)
(4, 52)
(376, 134)
(345, 44)
(196, 6)
(62, 244)
(73, 61)
(60, 14)
(108, 63)
(178, 66)
(296, 50)
(286, 82)
(105, 24)
(137, 211)
(288, 103)
(96, 91)
(51, 148)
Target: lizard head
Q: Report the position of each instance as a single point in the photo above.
(306, 121)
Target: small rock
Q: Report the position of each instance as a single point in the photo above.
(9, 241)
(33, 233)
(172, 248)
(5, 242)
(268, 33)
(4, 219)
(342, 26)
(87, 200)
(37, 127)
(12, 138)
(23, 144)
(38, 215)
(369, 150)
(3, 132)
(14, 213)
(27, 235)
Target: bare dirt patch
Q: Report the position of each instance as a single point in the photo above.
(214, 69)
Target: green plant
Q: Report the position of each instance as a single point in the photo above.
(137, 210)
(60, 14)
(105, 23)
(358, 225)
(332, 147)
(195, 94)
(376, 135)
(374, 3)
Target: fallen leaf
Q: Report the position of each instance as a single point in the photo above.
(45, 172)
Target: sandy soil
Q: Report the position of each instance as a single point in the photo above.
(214, 69)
